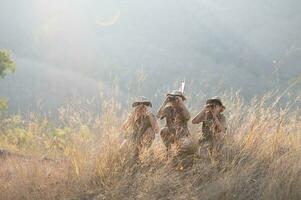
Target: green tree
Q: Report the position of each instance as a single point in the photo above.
(6, 65)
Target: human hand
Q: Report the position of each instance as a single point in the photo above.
(216, 110)
(148, 112)
(207, 108)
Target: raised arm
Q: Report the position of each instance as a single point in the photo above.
(185, 112)
(220, 124)
(200, 117)
(127, 124)
(183, 109)
(154, 123)
(160, 114)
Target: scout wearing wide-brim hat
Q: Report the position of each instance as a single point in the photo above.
(177, 93)
(142, 101)
(215, 100)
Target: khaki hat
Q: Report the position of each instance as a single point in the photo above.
(177, 93)
(217, 100)
(142, 101)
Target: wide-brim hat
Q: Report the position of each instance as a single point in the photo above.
(142, 101)
(177, 93)
(215, 100)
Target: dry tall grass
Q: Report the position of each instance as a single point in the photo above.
(80, 159)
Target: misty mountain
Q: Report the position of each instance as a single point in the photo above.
(80, 48)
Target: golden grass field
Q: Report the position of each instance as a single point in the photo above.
(80, 158)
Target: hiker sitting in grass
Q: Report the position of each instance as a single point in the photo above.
(213, 125)
(142, 126)
(176, 115)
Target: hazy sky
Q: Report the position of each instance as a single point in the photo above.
(246, 44)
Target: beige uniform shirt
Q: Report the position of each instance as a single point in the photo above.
(209, 129)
